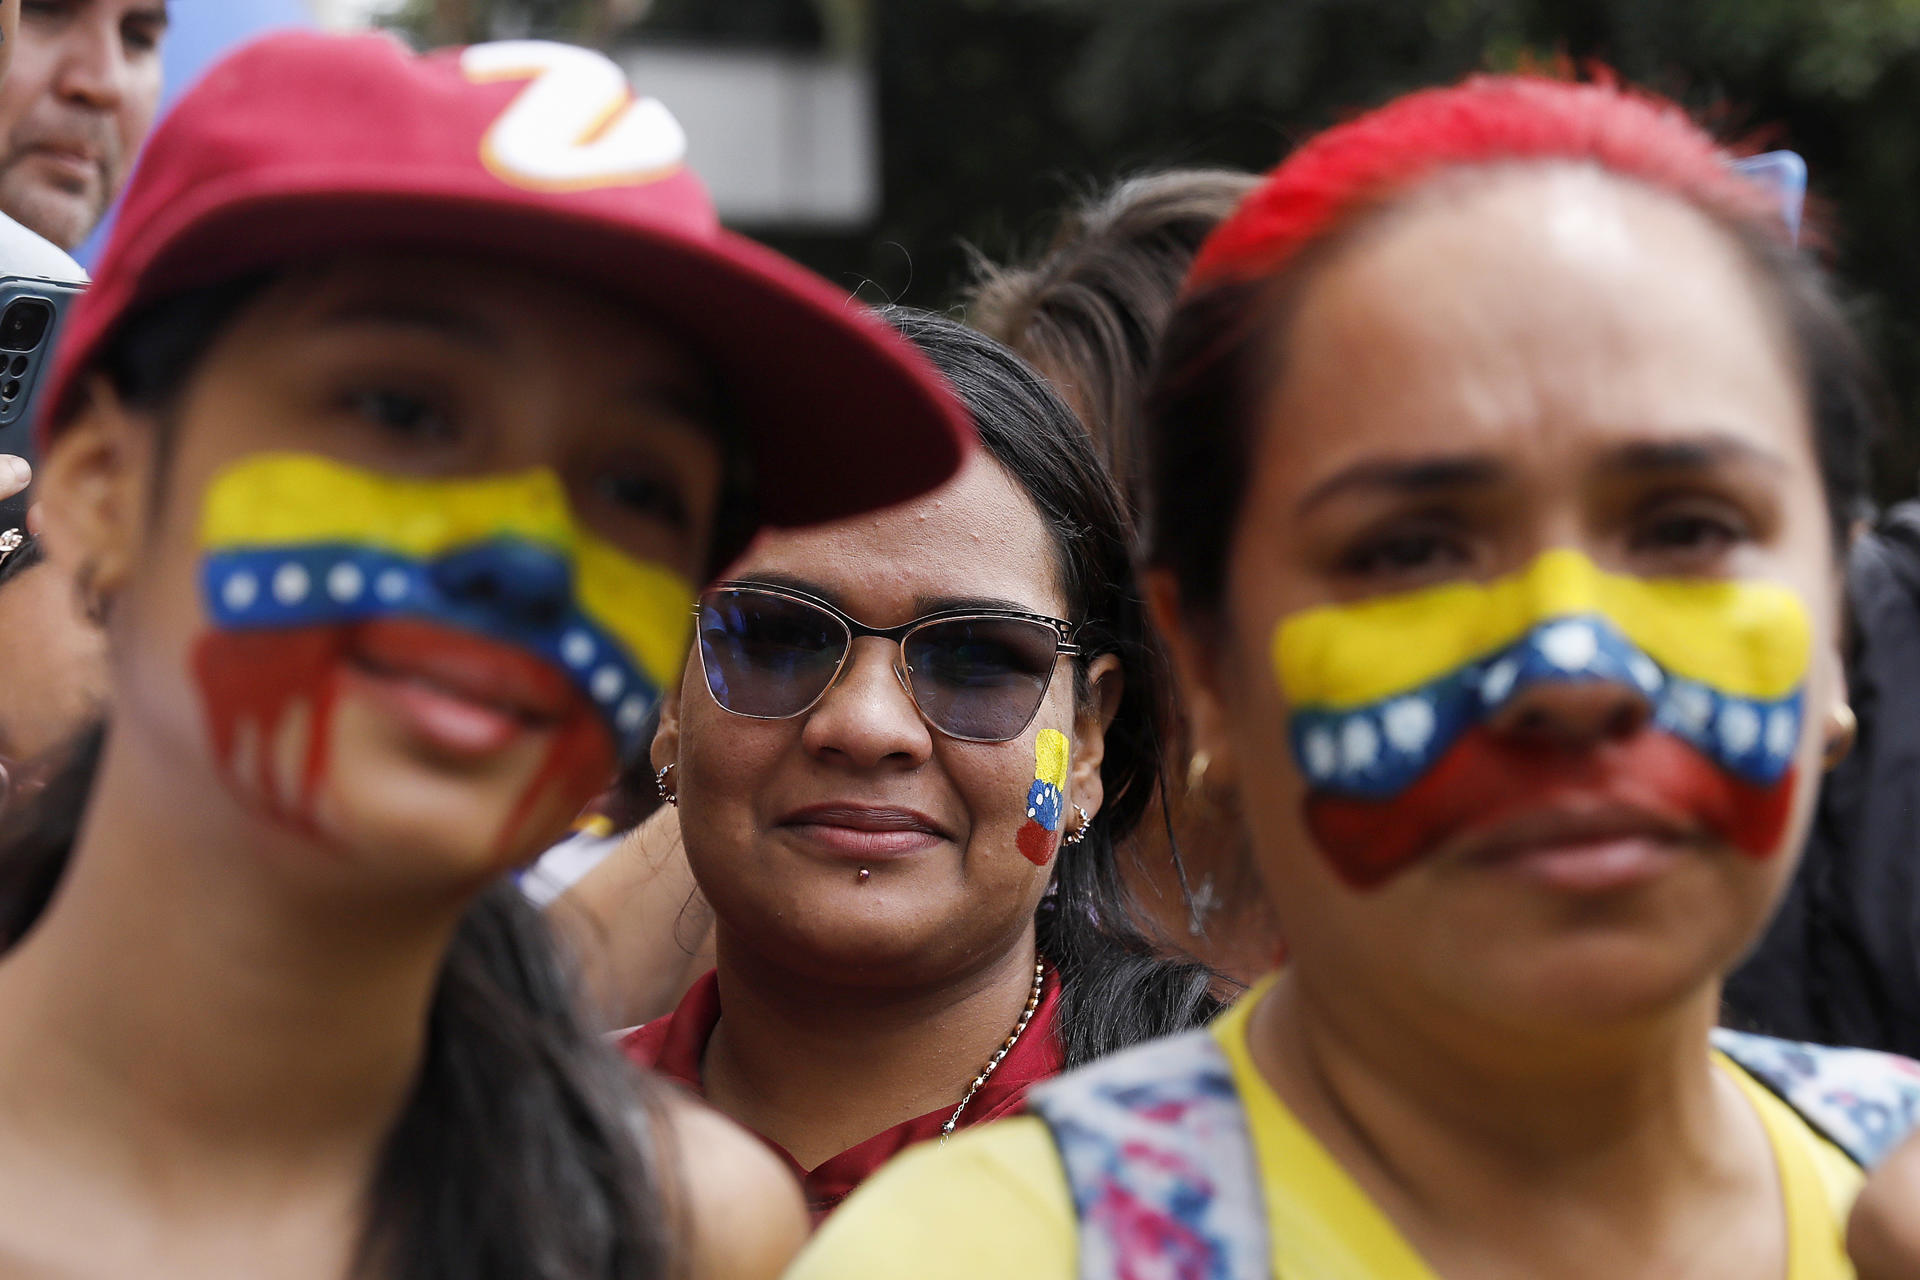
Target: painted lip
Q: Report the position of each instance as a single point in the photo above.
(850, 829)
(463, 667)
(1591, 842)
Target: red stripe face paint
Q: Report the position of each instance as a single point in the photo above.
(252, 682)
(1394, 703)
(255, 684)
(1485, 780)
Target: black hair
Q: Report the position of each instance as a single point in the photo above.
(1116, 988)
(1217, 366)
(1088, 311)
(528, 1149)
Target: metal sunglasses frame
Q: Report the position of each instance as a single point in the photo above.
(1063, 642)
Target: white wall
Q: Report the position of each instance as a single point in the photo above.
(783, 140)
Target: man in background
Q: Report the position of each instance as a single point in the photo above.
(74, 108)
(77, 98)
(76, 102)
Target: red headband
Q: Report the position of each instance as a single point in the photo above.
(1485, 120)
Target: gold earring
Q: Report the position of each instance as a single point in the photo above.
(1843, 729)
(1197, 766)
(1079, 833)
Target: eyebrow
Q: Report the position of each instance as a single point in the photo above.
(462, 327)
(696, 405)
(1430, 475)
(922, 605)
(1697, 454)
(1420, 475)
(788, 582)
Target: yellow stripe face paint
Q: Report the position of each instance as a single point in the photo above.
(1748, 638)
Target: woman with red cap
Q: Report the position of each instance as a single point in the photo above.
(414, 397)
(1503, 449)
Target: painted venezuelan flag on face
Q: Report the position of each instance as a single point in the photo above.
(296, 541)
(1391, 701)
(1046, 798)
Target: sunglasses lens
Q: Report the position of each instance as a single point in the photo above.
(766, 655)
(981, 678)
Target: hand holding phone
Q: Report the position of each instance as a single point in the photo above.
(37, 282)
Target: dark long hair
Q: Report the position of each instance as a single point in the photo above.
(1089, 310)
(1115, 987)
(528, 1150)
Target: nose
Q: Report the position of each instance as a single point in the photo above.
(1572, 684)
(518, 583)
(93, 68)
(1573, 713)
(867, 718)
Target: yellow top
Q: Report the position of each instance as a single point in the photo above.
(994, 1202)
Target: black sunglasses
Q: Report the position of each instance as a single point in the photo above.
(979, 675)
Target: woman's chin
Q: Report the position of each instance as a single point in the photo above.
(420, 824)
(860, 935)
(1587, 983)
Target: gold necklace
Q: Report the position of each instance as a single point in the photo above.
(993, 1063)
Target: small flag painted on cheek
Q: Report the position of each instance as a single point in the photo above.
(1395, 705)
(1046, 798)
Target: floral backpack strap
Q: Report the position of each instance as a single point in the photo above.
(1862, 1100)
(1161, 1164)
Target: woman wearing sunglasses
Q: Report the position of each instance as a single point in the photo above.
(1504, 450)
(902, 752)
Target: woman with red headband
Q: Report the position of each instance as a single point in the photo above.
(1503, 451)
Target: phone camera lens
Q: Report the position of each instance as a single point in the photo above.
(18, 367)
(24, 323)
(9, 389)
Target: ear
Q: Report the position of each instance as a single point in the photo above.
(1202, 704)
(1090, 725)
(95, 482)
(666, 738)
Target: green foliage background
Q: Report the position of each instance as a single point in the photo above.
(995, 111)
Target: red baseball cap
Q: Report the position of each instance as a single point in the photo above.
(301, 145)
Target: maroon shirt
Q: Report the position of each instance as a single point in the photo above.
(676, 1045)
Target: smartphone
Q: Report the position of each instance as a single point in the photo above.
(38, 282)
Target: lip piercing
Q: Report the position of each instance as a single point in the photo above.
(864, 873)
